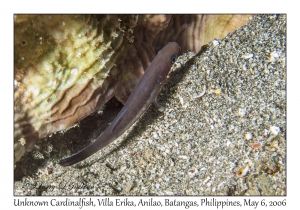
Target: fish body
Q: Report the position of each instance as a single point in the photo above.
(141, 97)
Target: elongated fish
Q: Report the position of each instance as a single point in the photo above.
(141, 97)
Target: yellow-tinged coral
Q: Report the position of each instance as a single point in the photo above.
(61, 62)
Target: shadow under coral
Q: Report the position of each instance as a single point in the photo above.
(57, 146)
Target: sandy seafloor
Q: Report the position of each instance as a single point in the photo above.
(222, 130)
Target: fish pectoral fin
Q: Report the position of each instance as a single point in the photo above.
(119, 119)
(115, 125)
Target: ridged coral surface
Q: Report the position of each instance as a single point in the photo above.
(68, 66)
(64, 68)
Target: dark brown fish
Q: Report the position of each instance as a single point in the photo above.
(141, 97)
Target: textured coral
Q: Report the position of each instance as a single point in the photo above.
(68, 66)
(64, 70)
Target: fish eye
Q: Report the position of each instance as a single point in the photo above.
(173, 58)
